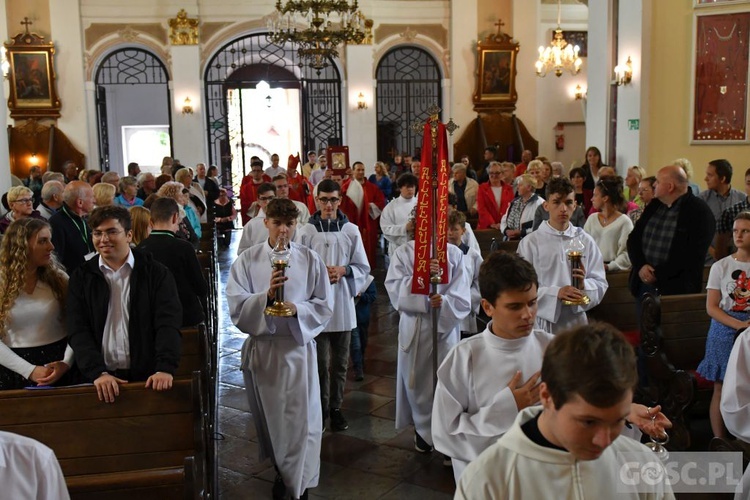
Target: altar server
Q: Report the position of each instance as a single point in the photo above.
(339, 243)
(394, 221)
(279, 359)
(472, 260)
(735, 400)
(414, 378)
(546, 249)
(487, 379)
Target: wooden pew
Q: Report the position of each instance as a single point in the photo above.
(673, 339)
(618, 304)
(133, 448)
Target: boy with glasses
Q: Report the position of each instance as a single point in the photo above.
(123, 311)
(339, 243)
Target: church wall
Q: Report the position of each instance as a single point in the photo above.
(671, 99)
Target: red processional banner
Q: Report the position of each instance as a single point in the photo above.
(423, 224)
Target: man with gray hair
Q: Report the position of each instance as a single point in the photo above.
(52, 176)
(465, 189)
(146, 185)
(71, 235)
(52, 199)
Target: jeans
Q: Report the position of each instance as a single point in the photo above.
(359, 344)
(333, 352)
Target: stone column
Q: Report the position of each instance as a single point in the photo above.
(4, 154)
(463, 63)
(188, 133)
(599, 74)
(361, 124)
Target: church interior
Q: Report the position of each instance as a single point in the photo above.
(105, 83)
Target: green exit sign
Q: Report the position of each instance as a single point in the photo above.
(634, 124)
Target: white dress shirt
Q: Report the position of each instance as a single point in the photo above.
(116, 338)
(29, 469)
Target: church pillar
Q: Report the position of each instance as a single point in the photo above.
(361, 124)
(67, 35)
(526, 32)
(189, 144)
(463, 61)
(599, 75)
(4, 154)
(632, 101)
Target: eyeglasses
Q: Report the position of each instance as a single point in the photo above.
(109, 233)
(23, 200)
(326, 201)
(266, 198)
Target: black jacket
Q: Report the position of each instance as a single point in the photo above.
(71, 236)
(154, 325)
(211, 190)
(682, 273)
(179, 257)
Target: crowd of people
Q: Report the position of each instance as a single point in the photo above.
(82, 251)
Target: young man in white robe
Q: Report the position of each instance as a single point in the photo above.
(571, 446)
(339, 243)
(735, 400)
(394, 221)
(545, 248)
(472, 260)
(414, 371)
(279, 358)
(255, 230)
(488, 378)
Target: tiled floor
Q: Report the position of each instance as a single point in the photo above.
(370, 460)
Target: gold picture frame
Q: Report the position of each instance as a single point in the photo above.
(33, 92)
(496, 73)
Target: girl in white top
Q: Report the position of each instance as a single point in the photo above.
(728, 304)
(33, 341)
(608, 226)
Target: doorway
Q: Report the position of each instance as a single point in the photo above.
(233, 103)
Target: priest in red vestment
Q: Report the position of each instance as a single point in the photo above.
(300, 188)
(369, 202)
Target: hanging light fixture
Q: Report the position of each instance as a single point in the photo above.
(329, 23)
(560, 55)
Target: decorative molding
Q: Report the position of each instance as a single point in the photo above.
(211, 28)
(113, 42)
(96, 32)
(409, 32)
(183, 30)
(223, 36)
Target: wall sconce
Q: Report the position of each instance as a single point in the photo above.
(579, 93)
(33, 160)
(187, 108)
(361, 103)
(624, 74)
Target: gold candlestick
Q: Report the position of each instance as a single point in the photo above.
(280, 256)
(574, 249)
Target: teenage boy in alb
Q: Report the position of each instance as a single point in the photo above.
(279, 357)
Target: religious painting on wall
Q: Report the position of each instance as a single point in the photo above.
(496, 73)
(32, 77)
(721, 78)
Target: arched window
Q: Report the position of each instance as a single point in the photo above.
(408, 83)
(135, 84)
(320, 95)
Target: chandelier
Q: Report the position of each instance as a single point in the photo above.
(329, 23)
(560, 55)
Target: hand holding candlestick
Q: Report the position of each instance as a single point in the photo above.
(574, 250)
(279, 256)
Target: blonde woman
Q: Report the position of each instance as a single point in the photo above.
(21, 203)
(535, 170)
(140, 220)
(33, 343)
(632, 179)
(687, 167)
(381, 179)
(175, 190)
(104, 194)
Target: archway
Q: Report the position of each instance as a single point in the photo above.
(135, 84)
(242, 64)
(408, 83)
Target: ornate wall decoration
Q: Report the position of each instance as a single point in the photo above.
(183, 30)
(496, 72)
(721, 78)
